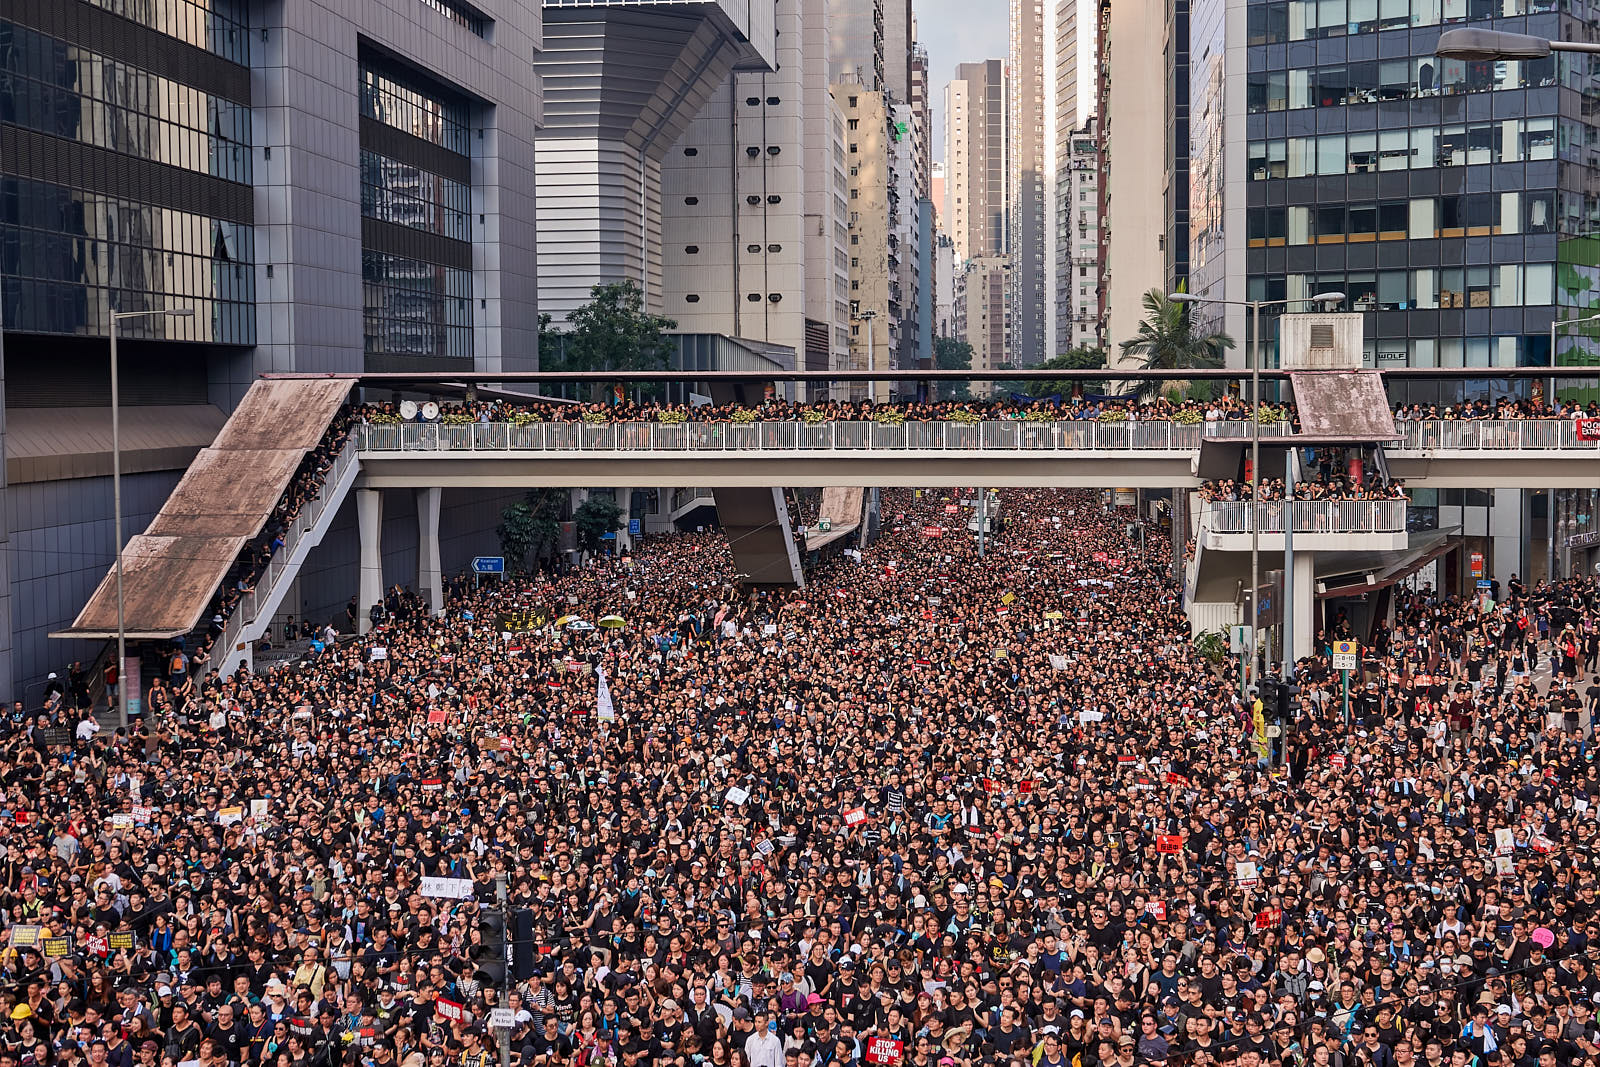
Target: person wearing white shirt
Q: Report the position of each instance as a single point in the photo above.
(763, 1048)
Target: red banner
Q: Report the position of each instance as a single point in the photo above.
(436, 716)
(932, 531)
(447, 1009)
(1174, 778)
(855, 816)
(1267, 919)
(1169, 844)
(1157, 909)
(1588, 429)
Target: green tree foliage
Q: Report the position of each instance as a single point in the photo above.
(950, 354)
(593, 519)
(1082, 358)
(531, 526)
(613, 331)
(1168, 341)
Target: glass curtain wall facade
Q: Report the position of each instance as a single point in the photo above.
(416, 252)
(125, 182)
(1450, 200)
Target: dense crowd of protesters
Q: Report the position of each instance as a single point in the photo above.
(1010, 407)
(934, 809)
(1334, 487)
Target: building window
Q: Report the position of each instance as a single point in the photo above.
(404, 101)
(460, 14)
(409, 196)
(68, 91)
(415, 308)
(691, 298)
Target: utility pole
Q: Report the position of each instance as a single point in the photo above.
(502, 894)
(983, 517)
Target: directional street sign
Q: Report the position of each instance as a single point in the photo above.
(489, 565)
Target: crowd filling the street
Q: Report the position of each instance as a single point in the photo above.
(936, 808)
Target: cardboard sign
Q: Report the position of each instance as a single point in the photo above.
(1337, 761)
(951, 509)
(1101, 557)
(1169, 844)
(230, 815)
(885, 1050)
(1588, 429)
(447, 1009)
(1174, 778)
(1269, 918)
(932, 531)
(1505, 842)
(855, 816)
(764, 846)
(120, 941)
(1245, 872)
(437, 716)
(433, 783)
(502, 1019)
(446, 888)
(737, 796)
(57, 947)
(26, 934)
(1157, 909)
(1008, 598)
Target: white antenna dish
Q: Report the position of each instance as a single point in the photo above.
(430, 411)
(408, 409)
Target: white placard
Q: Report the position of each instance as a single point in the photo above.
(738, 796)
(606, 711)
(447, 888)
(377, 653)
(502, 1019)
(1245, 871)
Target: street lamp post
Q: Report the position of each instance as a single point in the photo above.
(1470, 42)
(116, 496)
(868, 316)
(1255, 307)
(1555, 494)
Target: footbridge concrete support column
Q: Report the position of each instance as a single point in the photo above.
(1305, 603)
(369, 521)
(430, 579)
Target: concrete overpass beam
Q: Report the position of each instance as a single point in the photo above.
(760, 536)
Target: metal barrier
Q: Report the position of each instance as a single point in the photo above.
(996, 436)
(1310, 516)
(1490, 434)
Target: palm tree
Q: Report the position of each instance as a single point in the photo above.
(1167, 341)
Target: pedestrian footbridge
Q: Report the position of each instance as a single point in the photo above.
(176, 567)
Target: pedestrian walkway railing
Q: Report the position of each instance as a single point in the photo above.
(850, 436)
(781, 436)
(1310, 516)
(682, 498)
(1509, 434)
(248, 608)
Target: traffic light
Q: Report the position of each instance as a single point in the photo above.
(1288, 696)
(1269, 695)
(489, 955)
(524, 953)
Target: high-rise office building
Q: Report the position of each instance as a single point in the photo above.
(1027, 145)
(341, 193)
(1133, 161)
(874, 327)
(982, 314)
(1175, 172)
(1451, 201)
(1078, 320)
(975, 159)
(622, 81)
(734, 232)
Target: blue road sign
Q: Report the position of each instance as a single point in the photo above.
(1484, 583)
(634, 527)
(489, 565)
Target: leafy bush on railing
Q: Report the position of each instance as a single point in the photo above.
(524, 418)
(889, 417)
(672, 416)
(457, 418)
(596, 418)
(384, 418)
(1188, 417)
(1114, 415)
(964, 417)
(1211, 645)
(813, 416)
(1039, 415)
(1267, 415)
(744, 416)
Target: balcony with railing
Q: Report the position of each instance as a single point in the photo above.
(1309, 516)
